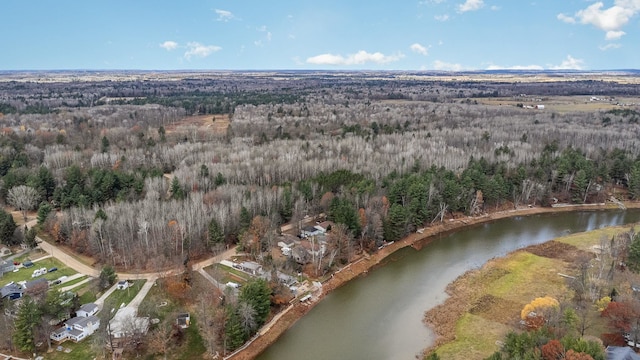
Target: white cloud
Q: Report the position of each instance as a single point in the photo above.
(570, 63)
(169, 45)
(427, 2)
(610, 20)
(224, 15)
(495, 8)
(419, 49)
(515, 67)
(567, 19)
(199, 50)
(614, 35)
(443, 17)
(470, 5)
(441, 65)
(359, 58)
(610, 46)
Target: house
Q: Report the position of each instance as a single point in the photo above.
(183, 320)
(286, 279)
(76, 329)
(621, 353)
(126, 323)
(35, 285)
(11, 291)
(122, 285)
(300, 255)
(87, 310)
(309, 231)
(325, 226)
(250, 267)
(5, 251)
(6, 266)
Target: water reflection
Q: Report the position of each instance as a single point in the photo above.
(380, 316)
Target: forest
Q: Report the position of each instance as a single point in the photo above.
(383, 154)
(144, 171)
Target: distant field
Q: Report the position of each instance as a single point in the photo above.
(214, 124)
(560, 104)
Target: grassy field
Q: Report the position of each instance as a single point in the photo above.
(228, 274)
(125, 296)
(79, 351)
(487, 302)
(26, 273)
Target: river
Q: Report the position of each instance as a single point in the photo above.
(379, 316)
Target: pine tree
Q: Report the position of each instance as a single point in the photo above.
(216, 235)
(26, 321)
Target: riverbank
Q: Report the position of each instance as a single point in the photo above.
(484, 304)
(416, 240)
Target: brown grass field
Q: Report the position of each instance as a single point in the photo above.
(215, 124)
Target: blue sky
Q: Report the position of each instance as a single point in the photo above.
(327, 34)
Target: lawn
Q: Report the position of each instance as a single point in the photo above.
(25, 273)
(79, 351)
(153, 305)
(125, 296)
(228, 273)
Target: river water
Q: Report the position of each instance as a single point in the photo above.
(379, 316)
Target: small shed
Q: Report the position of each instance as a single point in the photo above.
(183, 320)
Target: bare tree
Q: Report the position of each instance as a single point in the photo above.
(23, 198)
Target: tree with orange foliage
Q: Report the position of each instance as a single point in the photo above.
(533, 312)
(553, 350)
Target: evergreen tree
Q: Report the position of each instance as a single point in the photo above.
(235, 334)
(105, 144)
(216, 235)
(343, 212)
(176, 189)
(30, 237)
(257, 293)
(245, 219)
(27, 319)
(7, 228)
(107, 278)
(43, 212)
(286, 204)
(395, 226)
(634, 181)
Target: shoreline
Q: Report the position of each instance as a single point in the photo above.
(366, 263)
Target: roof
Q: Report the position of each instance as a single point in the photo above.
(10, 289)
(36, 282)
(90, 307)
(621, 353)
(250, 265)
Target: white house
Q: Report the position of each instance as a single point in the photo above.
(127, 323)
(122, 285)
(87, 310)
(76, 329)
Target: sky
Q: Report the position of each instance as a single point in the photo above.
(453, 35)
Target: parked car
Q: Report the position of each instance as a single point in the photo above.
(27, 264)
(53, 269)
(56, 282)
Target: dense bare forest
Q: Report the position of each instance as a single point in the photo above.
(165, 167)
